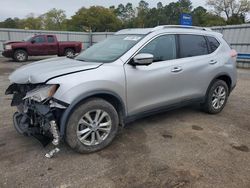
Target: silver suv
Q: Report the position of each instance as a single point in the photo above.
(84, 100)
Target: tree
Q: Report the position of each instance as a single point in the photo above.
(199, 16)
(10, 23)
(143, 7)
(142, 11)
(130, 12)
(54, 19)
(159, 5)
(31, 22)
(172, 13)
(96, 18)
(230, 8)
(214, 20)
(185, 6)
(121, 12)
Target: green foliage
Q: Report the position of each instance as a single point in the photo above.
(203, 18)
(10, 23)
(31, 22)
(98, 18)
(95, 18)
(53, 20)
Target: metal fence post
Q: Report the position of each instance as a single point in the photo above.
(9, 35)
(67, 36)
(90, 38)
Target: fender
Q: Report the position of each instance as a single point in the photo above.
(71, 107)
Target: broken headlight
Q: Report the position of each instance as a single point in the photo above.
(41, 93)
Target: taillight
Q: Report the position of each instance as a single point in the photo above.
(233, 53)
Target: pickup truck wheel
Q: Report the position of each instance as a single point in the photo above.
(69, 52)
(20, 56)
(216, 98)
(92, 126)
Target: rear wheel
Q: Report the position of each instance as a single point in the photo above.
(20, 56)
(69, 52)
(217, 97)
(92, 126)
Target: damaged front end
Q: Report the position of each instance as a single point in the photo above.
(38, 113)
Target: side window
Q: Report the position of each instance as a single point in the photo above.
(213, 43)
(50, 39)
(163, 48)
(39, 39)
(192, 45)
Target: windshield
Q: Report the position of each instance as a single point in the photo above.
(109, 49)
(28, 38)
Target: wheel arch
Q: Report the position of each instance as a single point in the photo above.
(20, 48)
(222, 76)
(109, 96)
(71, 48)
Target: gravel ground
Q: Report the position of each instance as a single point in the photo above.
(181, 148)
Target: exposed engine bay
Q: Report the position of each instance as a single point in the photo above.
(37, 113)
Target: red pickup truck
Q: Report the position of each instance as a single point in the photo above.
(38, 45)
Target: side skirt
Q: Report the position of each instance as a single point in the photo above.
(147, 113)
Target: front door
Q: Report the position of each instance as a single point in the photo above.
(156, 85)
(38, 46)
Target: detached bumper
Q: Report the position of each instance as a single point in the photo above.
(7, 53)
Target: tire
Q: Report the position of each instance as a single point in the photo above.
(79, 121)
(16, 121)
(69, 52)
(218, 90)
(20, 56)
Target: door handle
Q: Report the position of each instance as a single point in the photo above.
(176, 69)
(212, 62)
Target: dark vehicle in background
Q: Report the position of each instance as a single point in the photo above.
(39, 45)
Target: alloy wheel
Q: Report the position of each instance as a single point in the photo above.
(94, 127)
(218, 97)
(20, 56)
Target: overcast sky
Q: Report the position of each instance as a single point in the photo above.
(21, 8)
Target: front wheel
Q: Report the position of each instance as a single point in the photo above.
(20, 56)
(217, 97)
(92, 126)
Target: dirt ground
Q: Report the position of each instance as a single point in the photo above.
(181, 148)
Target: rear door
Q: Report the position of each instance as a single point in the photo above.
(197, 63)
(52, 45)
(38, 46)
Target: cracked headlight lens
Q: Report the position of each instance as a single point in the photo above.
(42, 93)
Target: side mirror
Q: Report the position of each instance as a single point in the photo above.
(143, 59)
(32, 41)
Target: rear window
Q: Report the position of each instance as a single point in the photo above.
(213, 43)
(51, 39)
(192, 45)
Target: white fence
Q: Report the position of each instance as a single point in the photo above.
(238, 36)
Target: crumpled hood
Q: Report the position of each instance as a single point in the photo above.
(41, 71)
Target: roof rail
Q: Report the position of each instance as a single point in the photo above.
(181, 27)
